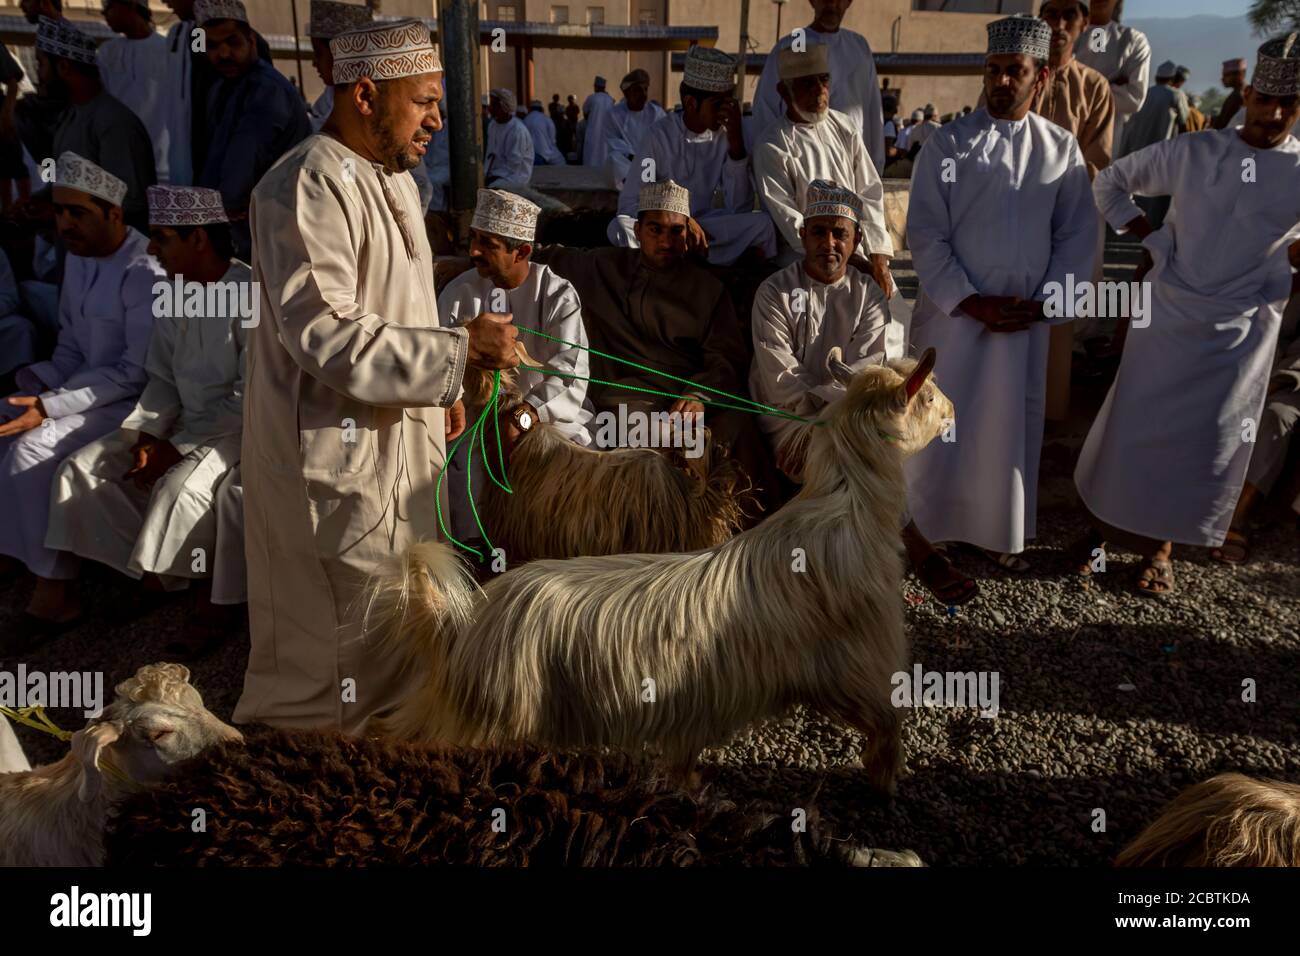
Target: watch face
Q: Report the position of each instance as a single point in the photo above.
(525, 421)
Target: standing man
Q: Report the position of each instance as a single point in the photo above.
(592, 107)
(625, 126)
(86, 388)
(255, 113)
(97, 126)
(1119, 53)
(136, 69)
(1234, 81)
(509, 160)
(542, 129)
(857, 88)
(329, 18)
(1001, 205)
(1163, 116)
(348, 375)
(814, 142)
(701, 148)
(1168, 453)
(1078, 98)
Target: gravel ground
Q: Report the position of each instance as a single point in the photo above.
(1107, 699)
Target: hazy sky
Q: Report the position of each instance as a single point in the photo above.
(1184, 8)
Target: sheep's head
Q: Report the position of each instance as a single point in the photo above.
(157, 720)
(899, 403)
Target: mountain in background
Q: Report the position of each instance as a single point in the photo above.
(1199, 43)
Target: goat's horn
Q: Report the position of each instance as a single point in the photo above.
(920, 373)
(524, 358)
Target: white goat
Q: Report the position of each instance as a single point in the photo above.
(54, 815)
(680, 651)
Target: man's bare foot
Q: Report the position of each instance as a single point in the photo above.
(54, 601)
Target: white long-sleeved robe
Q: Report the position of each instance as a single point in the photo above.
(593, 109)
(544, 302)
(141, 74)
(17, 332)
(509, 159)
(701, 162)
(194, 400)
(790, 155)
(348, 374)
(797, 320)
(1118, 51)
(321, 109)
(1015, 213)
(87, 387)
(855, 87)
(180, 95)
(1166, 456)
(229, 569)
(542, 130)
(622, 130)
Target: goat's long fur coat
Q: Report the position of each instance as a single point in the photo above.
(313, 799)
(680, 651)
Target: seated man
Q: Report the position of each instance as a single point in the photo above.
(627, 122)
(812, 141)
(688, 148)
(1277, 427)
(141, 498)
(651, 306)
(87, 387)
(803, 312)
(509, 158)
(504, 280)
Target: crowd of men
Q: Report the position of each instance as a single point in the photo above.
(252, 379)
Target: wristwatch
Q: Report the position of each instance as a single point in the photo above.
(523, 416)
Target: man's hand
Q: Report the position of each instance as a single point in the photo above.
(454, 421)
(510, 432)
(697, 240)
(492, 340)
(880, 272)
(999, 313)
(687, 405)
(31, 417)
(154, 457)
(733, 123)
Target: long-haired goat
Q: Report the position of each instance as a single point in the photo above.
(570, 501)
(307, 798)
(1228, 820)
(680, 651)
(54, 815)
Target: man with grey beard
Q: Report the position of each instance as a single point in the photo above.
(812, 141)
(348, 378)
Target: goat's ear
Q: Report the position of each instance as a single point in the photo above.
(839, 371)
(86, 746)
(907, 391)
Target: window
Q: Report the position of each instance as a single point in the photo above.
(507, 11)
(559, 14)
(649, 18)
(595, 16)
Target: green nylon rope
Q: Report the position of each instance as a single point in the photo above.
(476, 431)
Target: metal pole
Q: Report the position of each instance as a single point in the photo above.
(744, 49)
(297, 59)
(458, 38)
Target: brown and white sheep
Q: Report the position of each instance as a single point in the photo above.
(54, 815)
(307, 798)
(680, 651)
